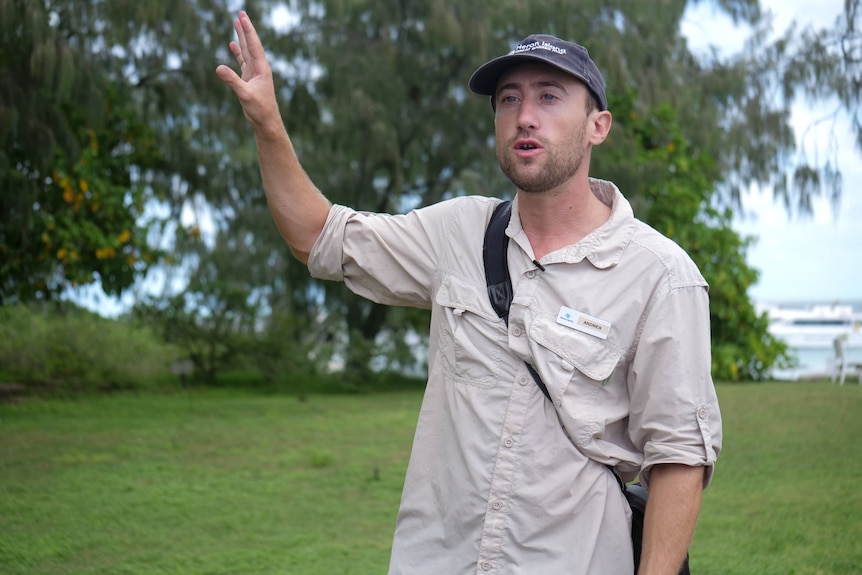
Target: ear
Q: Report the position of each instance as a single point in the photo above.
(599, 124)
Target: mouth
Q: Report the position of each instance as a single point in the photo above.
(527, 148)
(527, 145)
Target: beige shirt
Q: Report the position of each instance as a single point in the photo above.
(500, 480)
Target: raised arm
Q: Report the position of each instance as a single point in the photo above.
(298, 207)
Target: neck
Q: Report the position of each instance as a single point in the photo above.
(560, 217)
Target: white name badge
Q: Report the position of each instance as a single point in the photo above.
(582, 322)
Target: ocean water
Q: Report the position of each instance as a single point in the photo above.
(817, 363)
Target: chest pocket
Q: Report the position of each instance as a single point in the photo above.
(577, 370)
(471, 336)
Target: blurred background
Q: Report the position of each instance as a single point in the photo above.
(131, 198)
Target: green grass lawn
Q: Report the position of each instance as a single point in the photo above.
(217, 482)
(786, 498)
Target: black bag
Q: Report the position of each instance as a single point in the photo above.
(636, 495)
(500, 293)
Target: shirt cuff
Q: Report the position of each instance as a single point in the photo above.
(326, 260)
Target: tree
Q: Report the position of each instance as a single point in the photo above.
(68, 140)
(107, 111)
(224, 316)
(824, 65)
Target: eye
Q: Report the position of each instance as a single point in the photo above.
(548, 97)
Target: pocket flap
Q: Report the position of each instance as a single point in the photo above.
(594, 357)
(456, 293)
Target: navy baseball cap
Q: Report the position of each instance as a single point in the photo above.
(569, 57)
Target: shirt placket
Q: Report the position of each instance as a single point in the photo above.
(504, 476)
(503, 479)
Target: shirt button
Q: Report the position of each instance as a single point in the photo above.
(508, 442)
(516, 331)
(531, 274)
(486, 566)
(523, 380)
(702, 412)
(497, 505)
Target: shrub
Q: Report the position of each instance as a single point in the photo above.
(59, 345)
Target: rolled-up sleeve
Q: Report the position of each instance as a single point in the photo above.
(389, 259)
(325, 261)
(674, 414)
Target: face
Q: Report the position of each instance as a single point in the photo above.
(542, 127)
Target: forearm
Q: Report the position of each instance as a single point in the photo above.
(671, 515)
(297, 206)
(299, 209)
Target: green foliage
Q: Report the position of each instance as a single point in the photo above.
(69, 140)
(396, 347)
(109, 110)
(221, 482)
(206, 325)
(83, 227)
(59, 347)
(224, 317)
(287, 348)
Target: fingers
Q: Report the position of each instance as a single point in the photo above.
(243, 55)
(236, 50)
(249, 41)
(225, 73)
(254, 75)
(240, 59)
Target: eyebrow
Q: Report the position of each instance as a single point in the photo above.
(539, 84)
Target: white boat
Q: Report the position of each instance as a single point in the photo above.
(816, 326)
(810, 332)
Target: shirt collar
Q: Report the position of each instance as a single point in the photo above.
(604, 246)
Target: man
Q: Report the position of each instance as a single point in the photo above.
(612, 315)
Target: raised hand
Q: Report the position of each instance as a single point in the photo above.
(254, 89)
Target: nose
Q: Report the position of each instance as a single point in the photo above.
(527, 117)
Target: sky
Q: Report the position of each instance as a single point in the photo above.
(818, 258)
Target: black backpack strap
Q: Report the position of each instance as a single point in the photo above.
(497, 272)
(496, 263)
(538, 380)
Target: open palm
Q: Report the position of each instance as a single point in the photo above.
(254, 88)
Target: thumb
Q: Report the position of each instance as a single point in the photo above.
(228, 76)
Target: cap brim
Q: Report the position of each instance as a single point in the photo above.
(485, 79)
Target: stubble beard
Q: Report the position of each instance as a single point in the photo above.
(561, 163)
